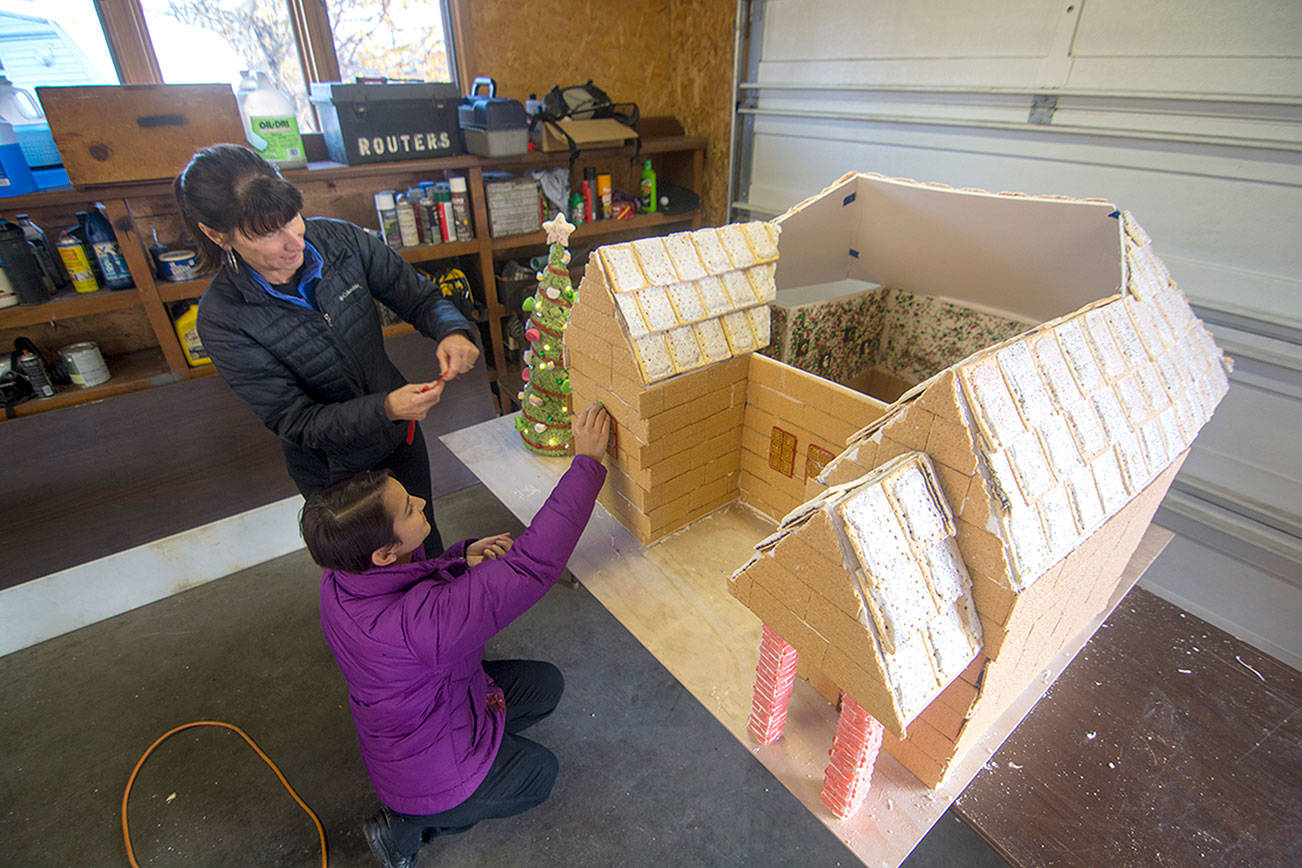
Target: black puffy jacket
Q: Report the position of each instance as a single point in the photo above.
(318, 378)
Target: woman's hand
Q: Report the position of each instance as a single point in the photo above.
(488, 548)
(412, 401)
(457, 354)
(592, 432)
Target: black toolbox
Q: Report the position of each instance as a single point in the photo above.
(493, 126)
(385, 122)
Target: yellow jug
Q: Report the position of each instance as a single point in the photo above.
(188, 335)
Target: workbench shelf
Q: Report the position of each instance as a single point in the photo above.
(134, 328)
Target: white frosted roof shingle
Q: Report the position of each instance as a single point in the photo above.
(654, 259)
(733, 239)
(686, 258)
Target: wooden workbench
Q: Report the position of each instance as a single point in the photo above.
(673, 597)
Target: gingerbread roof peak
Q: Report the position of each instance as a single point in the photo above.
(896, 536)
(691, 299)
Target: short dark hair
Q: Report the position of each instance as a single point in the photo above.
(229, 187)
(344, 523)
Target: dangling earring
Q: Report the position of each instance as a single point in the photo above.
(231, 260)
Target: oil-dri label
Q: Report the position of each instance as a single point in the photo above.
(276, 138)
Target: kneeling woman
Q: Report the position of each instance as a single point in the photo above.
(438, 725)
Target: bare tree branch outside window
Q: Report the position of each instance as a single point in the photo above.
(397, 39)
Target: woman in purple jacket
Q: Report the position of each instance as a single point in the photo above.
(437, 724)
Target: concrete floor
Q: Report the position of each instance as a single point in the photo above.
(648, 777)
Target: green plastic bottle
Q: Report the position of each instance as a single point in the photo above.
(648, 197)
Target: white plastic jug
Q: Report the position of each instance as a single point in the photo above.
(270, 121)
(20, 108)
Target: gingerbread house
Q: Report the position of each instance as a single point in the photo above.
(939, 544)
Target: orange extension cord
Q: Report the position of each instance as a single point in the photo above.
(126, 834)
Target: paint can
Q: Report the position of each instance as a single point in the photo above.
(84, 363)
(178, 265)
(31, 366)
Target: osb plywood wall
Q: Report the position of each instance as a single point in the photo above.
(671, 57)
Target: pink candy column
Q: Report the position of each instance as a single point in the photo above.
(774, 676)
(854, 752)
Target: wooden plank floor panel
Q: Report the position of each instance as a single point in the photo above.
(1166, 742)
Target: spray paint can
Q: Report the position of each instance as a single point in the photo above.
(461, 208)
(407, 221)
(443, 202)
(387, 211)
(78, 265)
(604, 196)
(429, 214)
(588, 189)
(33, 368)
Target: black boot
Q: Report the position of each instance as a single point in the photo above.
(380, 837)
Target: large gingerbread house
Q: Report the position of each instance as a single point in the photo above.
(935, 552)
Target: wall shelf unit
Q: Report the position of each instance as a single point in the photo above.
(134, 327)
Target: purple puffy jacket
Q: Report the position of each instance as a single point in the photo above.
(410, 638)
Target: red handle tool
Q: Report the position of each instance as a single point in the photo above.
(411, 423)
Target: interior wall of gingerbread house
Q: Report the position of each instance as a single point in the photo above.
(882, 284)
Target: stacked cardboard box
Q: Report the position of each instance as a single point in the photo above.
(512, 206)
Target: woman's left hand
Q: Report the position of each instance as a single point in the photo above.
(488, 548)
(457, 354)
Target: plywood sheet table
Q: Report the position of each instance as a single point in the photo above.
(673, 597)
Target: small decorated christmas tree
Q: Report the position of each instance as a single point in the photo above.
(544, 422)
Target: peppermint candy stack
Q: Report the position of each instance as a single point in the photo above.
(774, 676)
(854, 753)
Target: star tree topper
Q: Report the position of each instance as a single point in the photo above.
(558, 229)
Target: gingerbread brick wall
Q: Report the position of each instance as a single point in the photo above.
(677, 449)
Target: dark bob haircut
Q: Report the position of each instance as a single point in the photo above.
(344, 523)
(229, 187)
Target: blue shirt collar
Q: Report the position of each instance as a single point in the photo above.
(307, 280)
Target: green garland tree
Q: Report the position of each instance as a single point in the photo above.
(544, 422)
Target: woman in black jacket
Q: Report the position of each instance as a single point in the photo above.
(291, 324)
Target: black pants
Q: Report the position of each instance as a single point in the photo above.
(523, 772)
(409, 464)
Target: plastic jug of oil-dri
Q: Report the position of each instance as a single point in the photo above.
(270, 121)
(185, 319)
